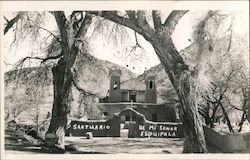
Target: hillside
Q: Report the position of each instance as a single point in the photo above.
(32, 87)
(239, 50)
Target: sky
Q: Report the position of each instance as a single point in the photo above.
(180, 37)
(104, 49)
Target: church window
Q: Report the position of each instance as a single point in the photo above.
(115, 85)
(127, 118)
(151, 84)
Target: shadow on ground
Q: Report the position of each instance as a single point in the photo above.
(34, 149)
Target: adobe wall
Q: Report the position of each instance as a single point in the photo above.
(164, 112)
(111, 109)
(109, 128)
(142, 128)
(228, 142)
(145, 129)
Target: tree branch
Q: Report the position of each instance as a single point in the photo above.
(74, 13)
(136, 39)
(131, 14)
(227, 118)
(141, 18)
(52, 57)
(6, 19)
(40, 58)
(156, 19)
(61, 21)
(230, 39)
(137, 45)
(237, 108)
(112, 16)
(37, 58)
(173, 19)
(57, 38)
(84, 26)
(11, 22)
(81, 89)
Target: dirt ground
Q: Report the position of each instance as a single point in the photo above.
(128, 145)
(104, 145)
(109, 145)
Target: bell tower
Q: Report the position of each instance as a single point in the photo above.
(114, 89)
(150, 95)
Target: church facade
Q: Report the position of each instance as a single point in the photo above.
(132, 90)
(136, 94)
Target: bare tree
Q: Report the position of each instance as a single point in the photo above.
(225, 74)
(35, 108)
(159, 36)
(62, 48)
(220, 97)
(69, 42)
(24, 88)
(240, 90)
(18, 105)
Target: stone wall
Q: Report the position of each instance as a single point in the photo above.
(228, 142)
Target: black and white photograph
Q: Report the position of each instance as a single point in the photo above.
(125, 80)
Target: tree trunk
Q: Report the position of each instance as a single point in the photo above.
(204, 112)
(193, 129)
(243, 118)
(248, 104)
(227, 119)
(244, 107)
(63, 78)
(212, 118)
(62, 81)
(37, 124)
(184, 83)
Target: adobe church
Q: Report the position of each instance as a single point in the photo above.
(136, 94)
